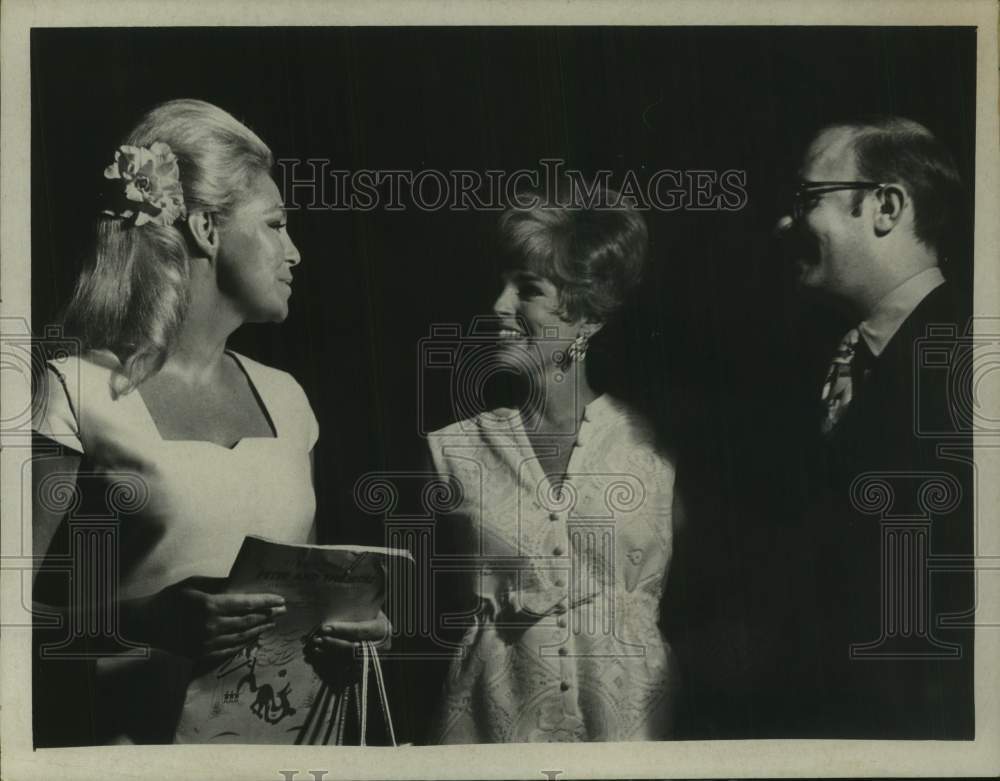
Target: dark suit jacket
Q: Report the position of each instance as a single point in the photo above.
(906, 494)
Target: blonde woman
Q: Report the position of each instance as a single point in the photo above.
(205, 444)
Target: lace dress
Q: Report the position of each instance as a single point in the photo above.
(565, 645)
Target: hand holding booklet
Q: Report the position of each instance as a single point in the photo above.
(268, 692)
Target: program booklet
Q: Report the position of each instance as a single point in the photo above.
(268, 692)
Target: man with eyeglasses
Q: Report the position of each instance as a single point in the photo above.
(868, 224)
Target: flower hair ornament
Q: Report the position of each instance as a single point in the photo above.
(150, 184)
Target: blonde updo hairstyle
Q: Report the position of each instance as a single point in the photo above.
(132, 296)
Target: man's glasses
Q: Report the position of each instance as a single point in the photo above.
(807, 192)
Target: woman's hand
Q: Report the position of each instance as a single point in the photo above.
(330, 649)
(193, 618)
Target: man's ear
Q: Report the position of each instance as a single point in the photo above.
(890, 202)
(204, 229)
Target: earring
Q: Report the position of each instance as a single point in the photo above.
(578, 350)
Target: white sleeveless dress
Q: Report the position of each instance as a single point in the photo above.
(178, 509)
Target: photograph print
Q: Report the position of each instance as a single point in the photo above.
(493, 384)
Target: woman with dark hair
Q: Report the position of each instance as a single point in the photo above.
(186, 445)
(565, 503)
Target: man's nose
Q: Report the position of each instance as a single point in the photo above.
(783, 225)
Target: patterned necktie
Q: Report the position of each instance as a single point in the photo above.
(838, 388)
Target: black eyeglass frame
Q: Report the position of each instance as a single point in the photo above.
(804, 189)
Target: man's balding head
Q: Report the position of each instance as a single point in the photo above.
(896, 149)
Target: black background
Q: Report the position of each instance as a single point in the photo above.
(719, 331)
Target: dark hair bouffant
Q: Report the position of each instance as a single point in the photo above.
(593, 254)
(593, 247)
